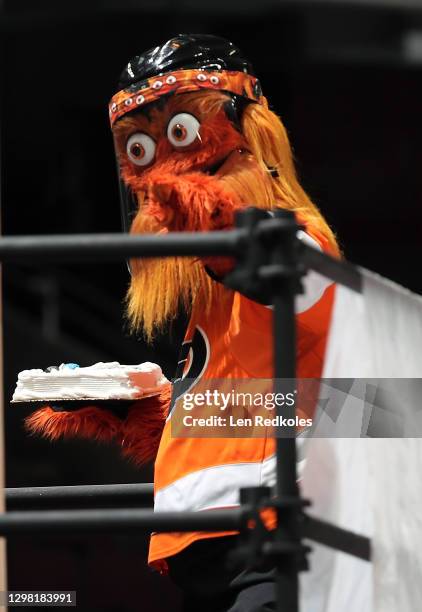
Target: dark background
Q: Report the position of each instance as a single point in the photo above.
(346, 79)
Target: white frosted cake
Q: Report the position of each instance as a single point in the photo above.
(101, 381)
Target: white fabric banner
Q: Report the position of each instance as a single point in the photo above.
(370, 486)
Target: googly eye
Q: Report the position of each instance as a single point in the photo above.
(183, 129)
(140, 149)
(214, 80)
(128, 102)
(201, 77)
(157, 85)
(170, 79)
(139, 99)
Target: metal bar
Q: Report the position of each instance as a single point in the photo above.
(336, 537)
(109, 247)
(117, 495)
(3, 547)
(120, 520)
(142, 494)
(342, 272)
(284, 338)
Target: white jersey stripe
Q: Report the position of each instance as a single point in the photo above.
(218, 486)
(214, 487)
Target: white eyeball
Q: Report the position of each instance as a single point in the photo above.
(140, 149)
(183, 129)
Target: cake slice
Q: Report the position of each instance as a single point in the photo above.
(101, 381)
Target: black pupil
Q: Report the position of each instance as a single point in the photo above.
(136, 150)
(178, 131)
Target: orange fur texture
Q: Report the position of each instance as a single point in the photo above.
(138, 434)
(141, 430)
(89, 422)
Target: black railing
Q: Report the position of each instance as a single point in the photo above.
(93, 496)
(139, 495)
(269, 258)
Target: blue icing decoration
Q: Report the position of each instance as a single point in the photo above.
(71, 366)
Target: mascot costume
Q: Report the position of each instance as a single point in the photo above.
(195, 142)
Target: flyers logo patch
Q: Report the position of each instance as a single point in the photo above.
(193, 361)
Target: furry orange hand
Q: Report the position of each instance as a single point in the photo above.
(88, 422)
(138, 433)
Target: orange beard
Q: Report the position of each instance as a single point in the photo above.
(191, 202)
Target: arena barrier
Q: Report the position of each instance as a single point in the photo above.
(269, 257)
(136, 495)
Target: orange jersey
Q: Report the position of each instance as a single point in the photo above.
(200, 474)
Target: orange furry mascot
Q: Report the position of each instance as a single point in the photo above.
(196, 142)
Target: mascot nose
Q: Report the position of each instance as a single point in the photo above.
(161, 192)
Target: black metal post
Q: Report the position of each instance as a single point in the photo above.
(284, 325)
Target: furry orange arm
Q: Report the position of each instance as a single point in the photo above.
(139, 433)
(141, 430)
